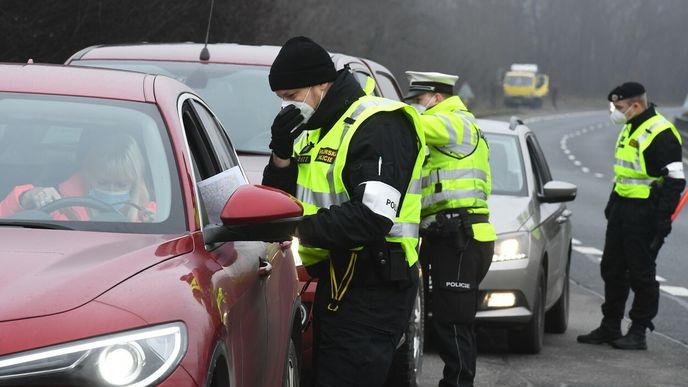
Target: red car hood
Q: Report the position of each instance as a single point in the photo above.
(50, 271)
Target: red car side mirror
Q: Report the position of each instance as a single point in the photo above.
(256, 213)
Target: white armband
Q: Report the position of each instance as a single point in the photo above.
(381, 198)
(675, 170)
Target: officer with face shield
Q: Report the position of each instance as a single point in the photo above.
(458, 240)
(648, 181)
(354, 162)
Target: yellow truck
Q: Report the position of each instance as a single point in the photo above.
(523, 84)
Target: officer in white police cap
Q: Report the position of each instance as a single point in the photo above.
(458, 240)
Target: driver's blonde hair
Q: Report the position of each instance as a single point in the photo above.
(117, 156)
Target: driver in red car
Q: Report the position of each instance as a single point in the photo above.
(111, 172)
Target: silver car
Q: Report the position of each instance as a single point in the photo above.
(527, 287)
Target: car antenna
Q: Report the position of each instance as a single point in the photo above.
(205, 54)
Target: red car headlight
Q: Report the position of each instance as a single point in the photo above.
(139, 357)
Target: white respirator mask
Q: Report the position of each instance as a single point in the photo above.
(422, 108)
(307, 110)
(618, 117)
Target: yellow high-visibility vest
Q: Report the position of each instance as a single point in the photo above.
(456, 173)
(322, 160)
(630, 172)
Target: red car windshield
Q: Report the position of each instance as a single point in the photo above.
(239, 94)
(86, 164)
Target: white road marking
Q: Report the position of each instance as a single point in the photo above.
(575, 241)
(566, 151)
(585, 169)
(674, 290)
(599, 175)
(660, 279)
(577, 163)
(588, 250)
(572, 157)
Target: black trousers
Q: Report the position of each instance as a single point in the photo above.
(628, 263)
(455, 278)
(353, 346)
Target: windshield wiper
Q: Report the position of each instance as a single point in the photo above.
(39, 225)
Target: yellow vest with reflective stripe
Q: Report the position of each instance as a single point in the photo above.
(321, 162)
(630, 172)
(456, 173)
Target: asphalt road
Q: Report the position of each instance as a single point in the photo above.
(579, 149)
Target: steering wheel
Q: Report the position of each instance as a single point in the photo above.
(78, 201)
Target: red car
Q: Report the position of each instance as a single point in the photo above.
(234, 81)
(133, 253)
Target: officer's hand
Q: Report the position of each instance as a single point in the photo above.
(283, 131)
(663, 225)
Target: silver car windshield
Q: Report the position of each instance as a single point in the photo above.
(506, 165)
(239, 94)
(87, 164)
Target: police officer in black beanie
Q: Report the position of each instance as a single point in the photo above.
(351, 160)
(648, 181)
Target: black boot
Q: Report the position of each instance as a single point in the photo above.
(600, 335)
(634, 339)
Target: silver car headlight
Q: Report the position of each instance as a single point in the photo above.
(139, 357)
(509, 247)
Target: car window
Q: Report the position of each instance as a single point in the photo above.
(388, 86)
(217, 170)
(202, 152)
(218, 138)
(506, 165)
(110, 162)
(540, 167)
(239, 94)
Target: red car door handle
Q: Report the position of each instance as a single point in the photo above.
(264, 267)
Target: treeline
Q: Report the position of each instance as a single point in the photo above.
(586, 46)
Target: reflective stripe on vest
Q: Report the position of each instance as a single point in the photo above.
(457, 194)
(465, 146)
(320, 199)
(453, 174)
(630, 171)
(322, 161)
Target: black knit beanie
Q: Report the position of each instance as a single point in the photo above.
(301, 63)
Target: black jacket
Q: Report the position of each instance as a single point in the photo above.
(664, 149)
(389, 135)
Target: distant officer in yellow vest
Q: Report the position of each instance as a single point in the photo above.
(354, 162)
(648, 181)
(458, 240)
